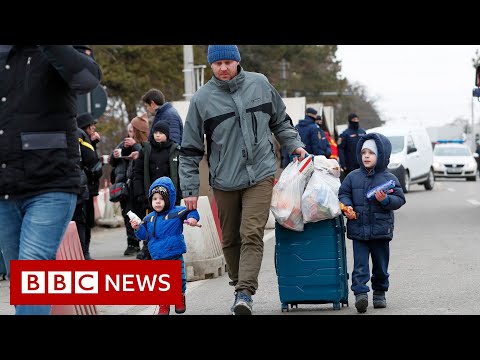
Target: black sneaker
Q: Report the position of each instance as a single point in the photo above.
(87, 256)
(3, 276)
(131, 250)
(379, 301)
(361, 302)
(144, 254)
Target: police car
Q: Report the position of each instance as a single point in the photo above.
(453, 159)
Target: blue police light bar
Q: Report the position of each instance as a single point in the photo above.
(450, 141)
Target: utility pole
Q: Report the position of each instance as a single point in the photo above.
(188, 71)
(473, 130)
(283, 76)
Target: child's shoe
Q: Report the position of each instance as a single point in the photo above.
(180, 309)
(164, 310)
(379, 301)
(361, 302)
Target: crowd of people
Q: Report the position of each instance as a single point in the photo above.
(239, 115)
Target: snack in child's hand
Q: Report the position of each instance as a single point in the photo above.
(348, 210)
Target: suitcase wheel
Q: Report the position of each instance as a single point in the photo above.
(336, 306)
(284, 307)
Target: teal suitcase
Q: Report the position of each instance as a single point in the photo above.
(311, 265)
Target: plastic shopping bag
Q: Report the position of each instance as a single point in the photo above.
(287, 194)
(320, 199)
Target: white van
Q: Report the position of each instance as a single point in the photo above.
(411, 160)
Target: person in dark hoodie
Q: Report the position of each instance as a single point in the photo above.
(371, 226)
(164, 227)
(39, 151)
(159, 157)
(347, 145)
(312, 136)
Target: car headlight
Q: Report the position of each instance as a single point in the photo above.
(471, 165)
(394, 165)
(437, 166)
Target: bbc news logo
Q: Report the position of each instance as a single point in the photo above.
(99, 282)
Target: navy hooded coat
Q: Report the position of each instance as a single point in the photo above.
(374, 220)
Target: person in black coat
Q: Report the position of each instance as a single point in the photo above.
(370, 222)
(87, 126)
(347, 145)
(87, 163)
(122, 171)
(39, 150)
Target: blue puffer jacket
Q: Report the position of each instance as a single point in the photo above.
(164, 231)
(374, 220)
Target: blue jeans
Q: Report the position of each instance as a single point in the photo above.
(32, 229)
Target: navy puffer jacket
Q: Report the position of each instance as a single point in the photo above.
(374, 220)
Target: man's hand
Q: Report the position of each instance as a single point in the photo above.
(300, 151)
(191, 202)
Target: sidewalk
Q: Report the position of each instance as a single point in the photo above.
(108, 244)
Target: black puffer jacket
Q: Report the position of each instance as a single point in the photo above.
(39, 149)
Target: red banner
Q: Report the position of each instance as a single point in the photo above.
(97, 282)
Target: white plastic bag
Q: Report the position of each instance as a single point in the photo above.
(320, 199)
(287, 194)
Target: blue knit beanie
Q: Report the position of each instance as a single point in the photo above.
(222, 52)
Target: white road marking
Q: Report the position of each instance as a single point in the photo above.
(474, 202)
(451, 189)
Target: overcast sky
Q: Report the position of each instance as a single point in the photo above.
(428, 85)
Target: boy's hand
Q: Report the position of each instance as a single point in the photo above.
(348, 211)
(380, 195)
(351, 215)
(192, 222)
(134, 224)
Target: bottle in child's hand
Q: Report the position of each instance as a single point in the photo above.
(134, 216)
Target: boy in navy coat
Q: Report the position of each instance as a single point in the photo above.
(371, 226)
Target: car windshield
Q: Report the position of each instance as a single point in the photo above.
(397, 143)
(450, 151)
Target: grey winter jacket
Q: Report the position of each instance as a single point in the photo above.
(237, 118)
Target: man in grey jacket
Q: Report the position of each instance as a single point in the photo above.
(237, 112)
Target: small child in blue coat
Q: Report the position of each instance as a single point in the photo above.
(371, 226)
(164, 229)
